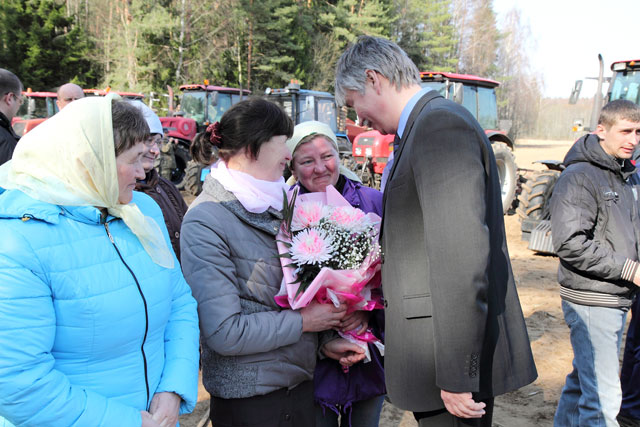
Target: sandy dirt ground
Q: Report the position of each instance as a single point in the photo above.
(535, 275)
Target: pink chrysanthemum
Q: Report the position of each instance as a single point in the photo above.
(350, 218)
(307, 214)
(311, 246)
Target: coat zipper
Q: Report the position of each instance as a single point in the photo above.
(146, 312)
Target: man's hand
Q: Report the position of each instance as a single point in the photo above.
(462, 405)
(345, 352)
(358, 319)
(164, 408)
(318, 317)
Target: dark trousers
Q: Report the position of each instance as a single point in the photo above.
(442, 418)
(280, 408)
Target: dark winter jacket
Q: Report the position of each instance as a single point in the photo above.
(364, 380)
(595, 226)
(167, 196)
(8, 139)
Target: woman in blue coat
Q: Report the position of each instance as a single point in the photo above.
(97, 325)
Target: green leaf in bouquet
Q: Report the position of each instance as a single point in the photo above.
(287, 244)
(287, 210)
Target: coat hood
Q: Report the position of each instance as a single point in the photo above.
(588, 149)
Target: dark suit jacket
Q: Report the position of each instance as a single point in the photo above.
(453, 317)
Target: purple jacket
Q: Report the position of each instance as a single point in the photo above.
(363, 380)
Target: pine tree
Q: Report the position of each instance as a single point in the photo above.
(42, 45)
(425, 30)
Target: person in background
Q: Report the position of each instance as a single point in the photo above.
(455, 335)
(10, 101)
(68, 93)
(97, 324)
(160, 189)
(356, 396)
(257, 358)
(595, 228)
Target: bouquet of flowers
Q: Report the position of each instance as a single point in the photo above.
(329, 252)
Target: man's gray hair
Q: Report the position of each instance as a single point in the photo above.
(377, 54)
(9, 82)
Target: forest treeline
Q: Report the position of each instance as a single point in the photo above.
(144, 45)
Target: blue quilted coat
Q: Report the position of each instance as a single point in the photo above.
(90, 326)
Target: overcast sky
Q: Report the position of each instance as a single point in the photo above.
(569, 34)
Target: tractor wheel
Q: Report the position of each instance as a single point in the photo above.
(192, 183)
(182, 158)
(533, 201)
(507, 171)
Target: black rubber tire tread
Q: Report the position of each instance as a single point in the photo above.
(183, 157)
(192, 183)
(535, 195)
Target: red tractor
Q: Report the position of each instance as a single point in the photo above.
(199, 105)
(371, 149)
(37, 108)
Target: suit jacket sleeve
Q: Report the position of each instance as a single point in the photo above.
(449, 172)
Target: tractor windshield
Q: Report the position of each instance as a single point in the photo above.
(36, 108)
(626, 86)
(439, 86)
(223, 104)
(487, 108)
(193, 105)
(327, 113)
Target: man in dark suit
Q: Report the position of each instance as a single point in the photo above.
(455, 333)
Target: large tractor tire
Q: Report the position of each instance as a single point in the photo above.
(533, 202)
(182, 158)
(507, 171)
(192, 183)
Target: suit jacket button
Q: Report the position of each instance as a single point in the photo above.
(385, 303)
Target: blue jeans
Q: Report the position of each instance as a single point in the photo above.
(364, 413)
(591, 395)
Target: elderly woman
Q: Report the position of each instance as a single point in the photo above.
(97, 325)
(357, 395)
(257, 358)
(165, 194)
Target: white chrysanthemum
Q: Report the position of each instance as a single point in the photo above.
(308, 214)
(311, 246)
(350, 218)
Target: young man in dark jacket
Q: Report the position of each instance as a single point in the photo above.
(10, 101)
(596, 232)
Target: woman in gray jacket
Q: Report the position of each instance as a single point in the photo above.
(258, 359)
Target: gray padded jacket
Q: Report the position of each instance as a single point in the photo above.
(595, 226)
(250, 346)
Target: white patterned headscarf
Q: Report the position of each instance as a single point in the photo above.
(69, 160)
